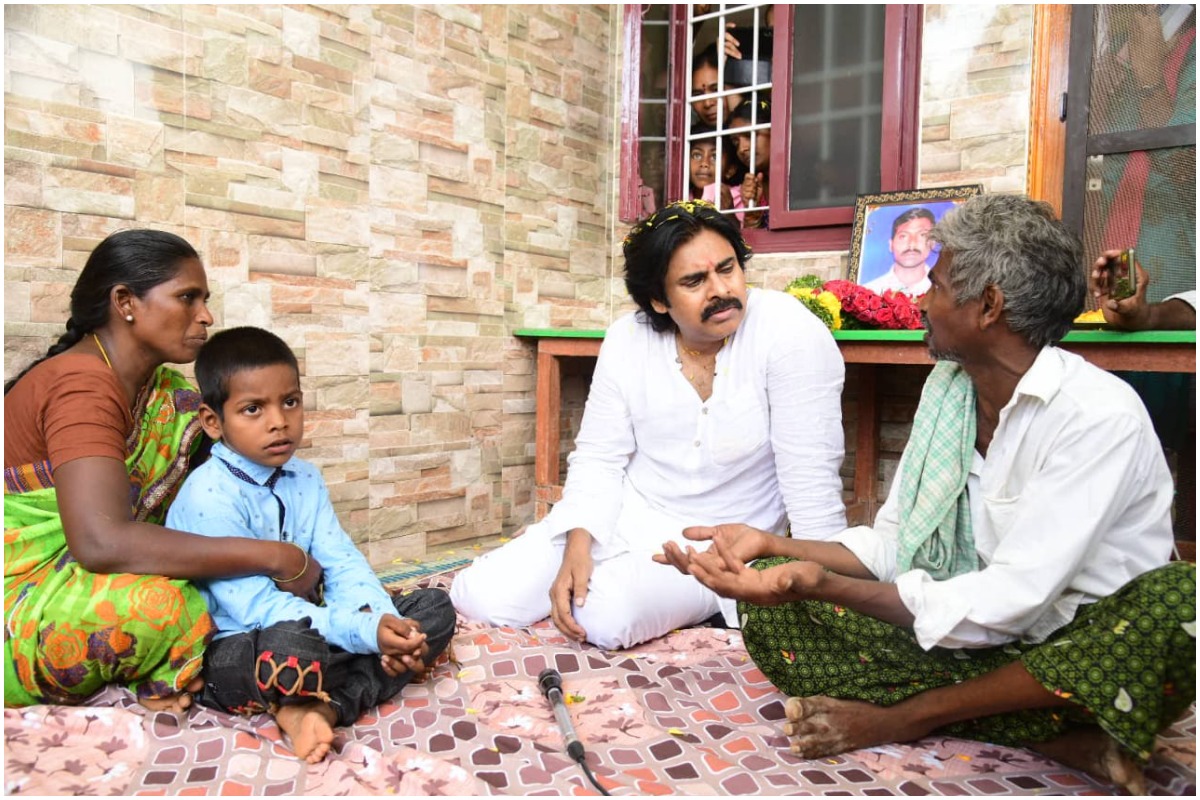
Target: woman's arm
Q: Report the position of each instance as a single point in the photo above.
(93, 500)
(592, 493)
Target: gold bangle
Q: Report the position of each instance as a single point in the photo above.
(303, 569)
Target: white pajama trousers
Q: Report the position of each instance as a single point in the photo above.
(630, 599)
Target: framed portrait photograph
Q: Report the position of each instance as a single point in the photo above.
(890, 247)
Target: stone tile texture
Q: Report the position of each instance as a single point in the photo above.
(394, 189)
(976, 67)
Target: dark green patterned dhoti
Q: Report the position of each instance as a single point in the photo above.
(1127, 662)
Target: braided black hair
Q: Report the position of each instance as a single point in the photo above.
(139, 259)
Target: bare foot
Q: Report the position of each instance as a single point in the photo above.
(178, 702)
(310, 728)
(1093, 751)
(822, 726)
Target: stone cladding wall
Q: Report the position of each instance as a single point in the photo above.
(391, 188)
(394, 189)
(976, 69)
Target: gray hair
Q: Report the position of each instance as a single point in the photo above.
(1016, 244)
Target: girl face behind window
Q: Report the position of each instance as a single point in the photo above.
(762, 147)
(702, 165)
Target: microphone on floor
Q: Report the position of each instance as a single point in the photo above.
(550, 682)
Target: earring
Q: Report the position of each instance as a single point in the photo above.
(129, 317)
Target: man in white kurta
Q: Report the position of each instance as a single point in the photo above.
(652, 457)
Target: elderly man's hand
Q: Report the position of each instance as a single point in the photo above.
(741, 541)
(722, 571)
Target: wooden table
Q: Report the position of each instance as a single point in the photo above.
(553, 345)
(1156, 351)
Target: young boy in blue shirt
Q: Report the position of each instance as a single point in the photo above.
(313, 666)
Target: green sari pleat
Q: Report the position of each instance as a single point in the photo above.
(68, 631)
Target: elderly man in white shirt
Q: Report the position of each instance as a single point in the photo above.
(1013, 587)
(714, 403)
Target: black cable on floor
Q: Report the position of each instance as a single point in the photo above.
(582, 762)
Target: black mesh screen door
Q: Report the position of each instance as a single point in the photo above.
(1130, 177)
(1130, 181)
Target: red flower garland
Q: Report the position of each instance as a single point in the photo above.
(890, 311)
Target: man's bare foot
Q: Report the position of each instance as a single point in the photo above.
(310, 728)
(1093, 751)
(178, 702)
(822, 726)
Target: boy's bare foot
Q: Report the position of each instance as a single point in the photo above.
(310, 728)
(822, 726)
(1093, 751)
(178, 702)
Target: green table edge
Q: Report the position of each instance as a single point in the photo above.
(557, 333)
(1107, 336)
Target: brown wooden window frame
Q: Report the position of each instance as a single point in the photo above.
(790, 231)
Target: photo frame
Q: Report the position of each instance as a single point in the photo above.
(872, 261)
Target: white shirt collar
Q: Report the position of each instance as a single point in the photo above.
(1044, 377)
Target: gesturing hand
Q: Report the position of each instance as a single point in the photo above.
(571, 584)
(741, 541)
(722, 570)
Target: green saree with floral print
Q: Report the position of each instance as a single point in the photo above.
(68, 632)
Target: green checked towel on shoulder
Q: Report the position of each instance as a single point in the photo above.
(935, 516)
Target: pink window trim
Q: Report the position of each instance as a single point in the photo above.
(629, 202)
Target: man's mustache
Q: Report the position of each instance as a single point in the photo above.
(719, 305)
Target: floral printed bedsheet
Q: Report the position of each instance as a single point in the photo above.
(686, 714)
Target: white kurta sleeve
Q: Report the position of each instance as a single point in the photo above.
(1046, 533)
(875, 545)
(805, 373)
(1188, 297)
(596, 468)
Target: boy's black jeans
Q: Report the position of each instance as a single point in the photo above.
(353, 681)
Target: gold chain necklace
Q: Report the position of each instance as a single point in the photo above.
(103, 352)
(697, 354)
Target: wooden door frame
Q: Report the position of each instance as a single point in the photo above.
(1047, 108)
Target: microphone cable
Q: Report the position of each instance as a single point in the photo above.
(583, 765)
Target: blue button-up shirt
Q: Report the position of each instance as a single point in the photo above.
(215, 502)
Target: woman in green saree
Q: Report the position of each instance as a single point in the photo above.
(98, 436)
